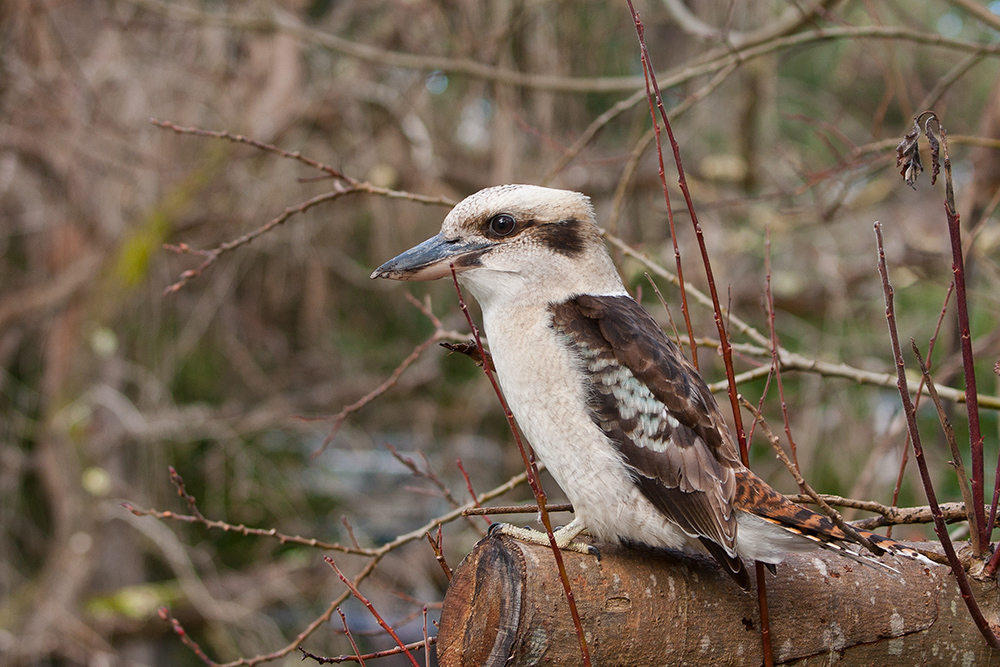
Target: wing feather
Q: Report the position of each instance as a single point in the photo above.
(652, 404)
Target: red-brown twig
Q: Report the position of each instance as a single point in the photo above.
(682, 181)
(653, 93)
(371, 608)
(439, 335)
(185, 638)
(727, 353)
(533, 477)
(437, 546)
(395, 650)
(472, 491)
(806, 488)
(956, 456)
(775, 346)
(427, 645)
(908, 157)
(968, 360)
(178, 481)
(350, 638)
(918, 453)
(993, 564)
(430, 476)
(346, 185)
(916, 403)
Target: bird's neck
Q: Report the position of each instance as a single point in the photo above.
(507, 293)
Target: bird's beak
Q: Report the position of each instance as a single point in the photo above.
(430, 260)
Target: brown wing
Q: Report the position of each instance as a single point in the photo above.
(652, 404)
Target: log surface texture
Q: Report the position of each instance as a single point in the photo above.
(505, 606)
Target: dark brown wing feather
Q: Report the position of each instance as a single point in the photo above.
(651, 402)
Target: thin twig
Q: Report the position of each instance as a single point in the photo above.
(590, 132)
(666, 307)
(395, 650)
(371, 608)
(346, 185)
(185, 638)
(259, 145)
(427, 643)
(350, 531)
(816, 498)
(916, 403)
(653, 96)
(656, 104)
(437, 546)
(430, 476)
(956, 456)
(350, 638)
(390, 382)
(531, 470)
(472, 491)
(517, 509)
(965, 336)
(775, 346)
(211, 256)
(918, 452)
(178, 481)
(378, 552)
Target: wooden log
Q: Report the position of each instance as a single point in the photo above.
(639, 607)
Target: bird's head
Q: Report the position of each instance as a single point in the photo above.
(515, 242)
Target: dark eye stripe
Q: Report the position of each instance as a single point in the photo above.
(565, 237)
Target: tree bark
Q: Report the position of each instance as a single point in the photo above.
(505, 606)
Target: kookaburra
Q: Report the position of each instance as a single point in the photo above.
(623, 422)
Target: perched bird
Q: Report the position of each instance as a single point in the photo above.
(623, 422)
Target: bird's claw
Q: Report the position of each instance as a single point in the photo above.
(564, 537)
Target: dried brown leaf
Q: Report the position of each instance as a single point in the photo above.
(471, 351)
(908, 156)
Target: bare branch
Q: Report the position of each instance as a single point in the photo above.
(396, 650)
(531, 471)
(371, 608)
(794, 470)
(956, 456)
(789, 360)
(918, 452)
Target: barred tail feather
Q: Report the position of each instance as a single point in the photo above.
(771, 526)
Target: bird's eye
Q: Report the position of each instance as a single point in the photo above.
(502, 225)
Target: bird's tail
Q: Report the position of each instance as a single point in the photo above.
(756, 497)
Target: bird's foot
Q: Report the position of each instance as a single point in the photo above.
(564, 537)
